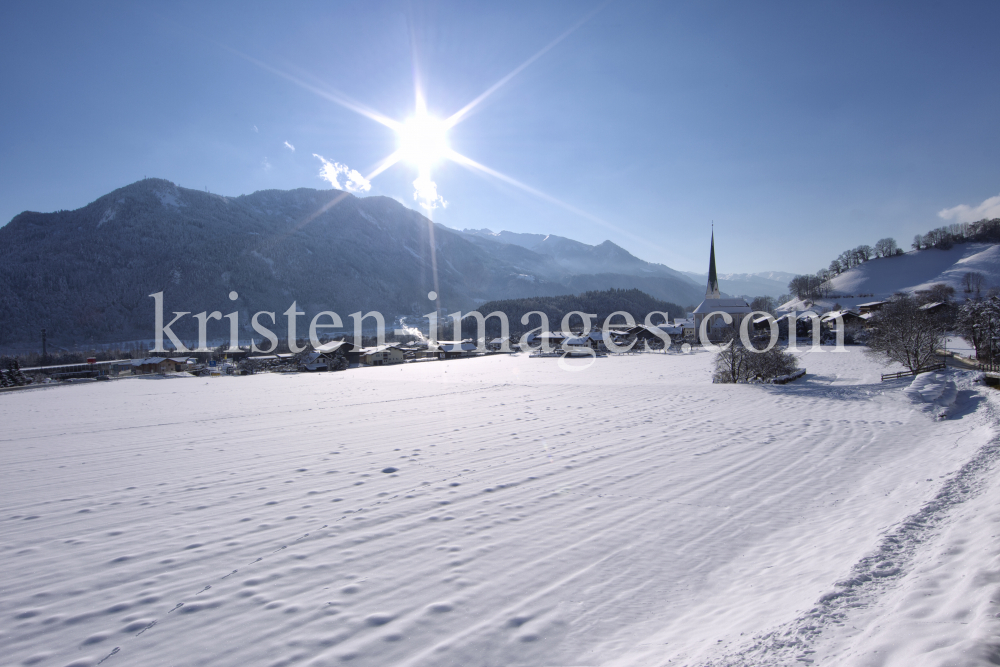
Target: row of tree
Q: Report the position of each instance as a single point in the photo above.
(848, 259)
(986, 231)
(816, 286)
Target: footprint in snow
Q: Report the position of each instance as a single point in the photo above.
(379, 619)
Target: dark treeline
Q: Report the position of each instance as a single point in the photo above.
(983, 231)
(601, 303)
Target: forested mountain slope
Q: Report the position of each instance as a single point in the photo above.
(86, 275)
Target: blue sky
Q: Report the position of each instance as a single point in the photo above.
(801, 129)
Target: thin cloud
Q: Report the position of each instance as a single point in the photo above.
(332, 172)
(426, 194)
(989, 209)
(266, 164)
(255, 129)
(290, 146)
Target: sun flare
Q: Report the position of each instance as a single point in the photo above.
(423, 140)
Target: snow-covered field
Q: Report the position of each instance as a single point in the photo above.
(630, 514)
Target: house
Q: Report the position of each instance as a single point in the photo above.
(935, 308)
(550, 338)
(651, 334)
(454, 349)
(159, 365)
(576, 342)
(871, 306)
(714, 304)
(850, 318)
(330, 351)
(380, 356)
(596, 339)
(495, 344)
(314, 361)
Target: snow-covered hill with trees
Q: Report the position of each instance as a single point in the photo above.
(880, 278)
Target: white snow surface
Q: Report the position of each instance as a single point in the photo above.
(935, 391)
(501, 511)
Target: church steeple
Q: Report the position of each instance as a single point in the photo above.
(712, 291)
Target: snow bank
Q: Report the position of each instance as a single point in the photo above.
(936, 393)
(785, 379)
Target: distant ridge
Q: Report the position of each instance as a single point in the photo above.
(763, 283)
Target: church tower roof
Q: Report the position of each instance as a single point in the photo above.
(712, 291)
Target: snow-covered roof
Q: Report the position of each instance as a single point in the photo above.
(381, 348)
(928, 306)
(334, 346)
(838, 313)
(456, 347)
(577, 340)
(731, 306)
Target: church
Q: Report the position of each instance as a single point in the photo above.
(714, 303)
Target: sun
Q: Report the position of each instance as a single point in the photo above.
(423, 140)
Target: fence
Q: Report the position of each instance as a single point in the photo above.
(903, 374)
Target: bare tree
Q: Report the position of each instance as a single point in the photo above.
(765, 304)
(973, 281)
(938, 292)
(979, 323)
(885, 247)
(738, 363)
(918, 242)
(902, 333)
(864, 252)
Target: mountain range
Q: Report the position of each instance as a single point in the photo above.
(764, 283)
(86, 275)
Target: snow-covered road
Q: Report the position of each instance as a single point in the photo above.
(630, 514)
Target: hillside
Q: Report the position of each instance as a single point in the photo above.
(86, 275)
(915, 270)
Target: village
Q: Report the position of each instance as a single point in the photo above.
(716, 319)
